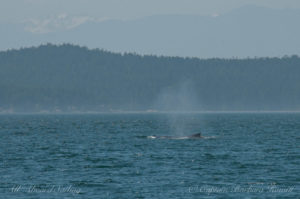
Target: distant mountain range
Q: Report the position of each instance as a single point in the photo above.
(70, 78)
(245, 32)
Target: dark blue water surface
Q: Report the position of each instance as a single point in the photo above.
(111, 156)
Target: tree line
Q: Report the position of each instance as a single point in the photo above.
(72, 78)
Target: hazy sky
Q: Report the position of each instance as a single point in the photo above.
(20, 10)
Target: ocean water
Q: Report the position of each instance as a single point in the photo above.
(112, 156)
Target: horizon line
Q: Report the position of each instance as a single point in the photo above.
(146, 112)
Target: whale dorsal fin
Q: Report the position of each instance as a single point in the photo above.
(196, 135)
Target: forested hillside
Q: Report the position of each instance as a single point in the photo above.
(72, 78)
